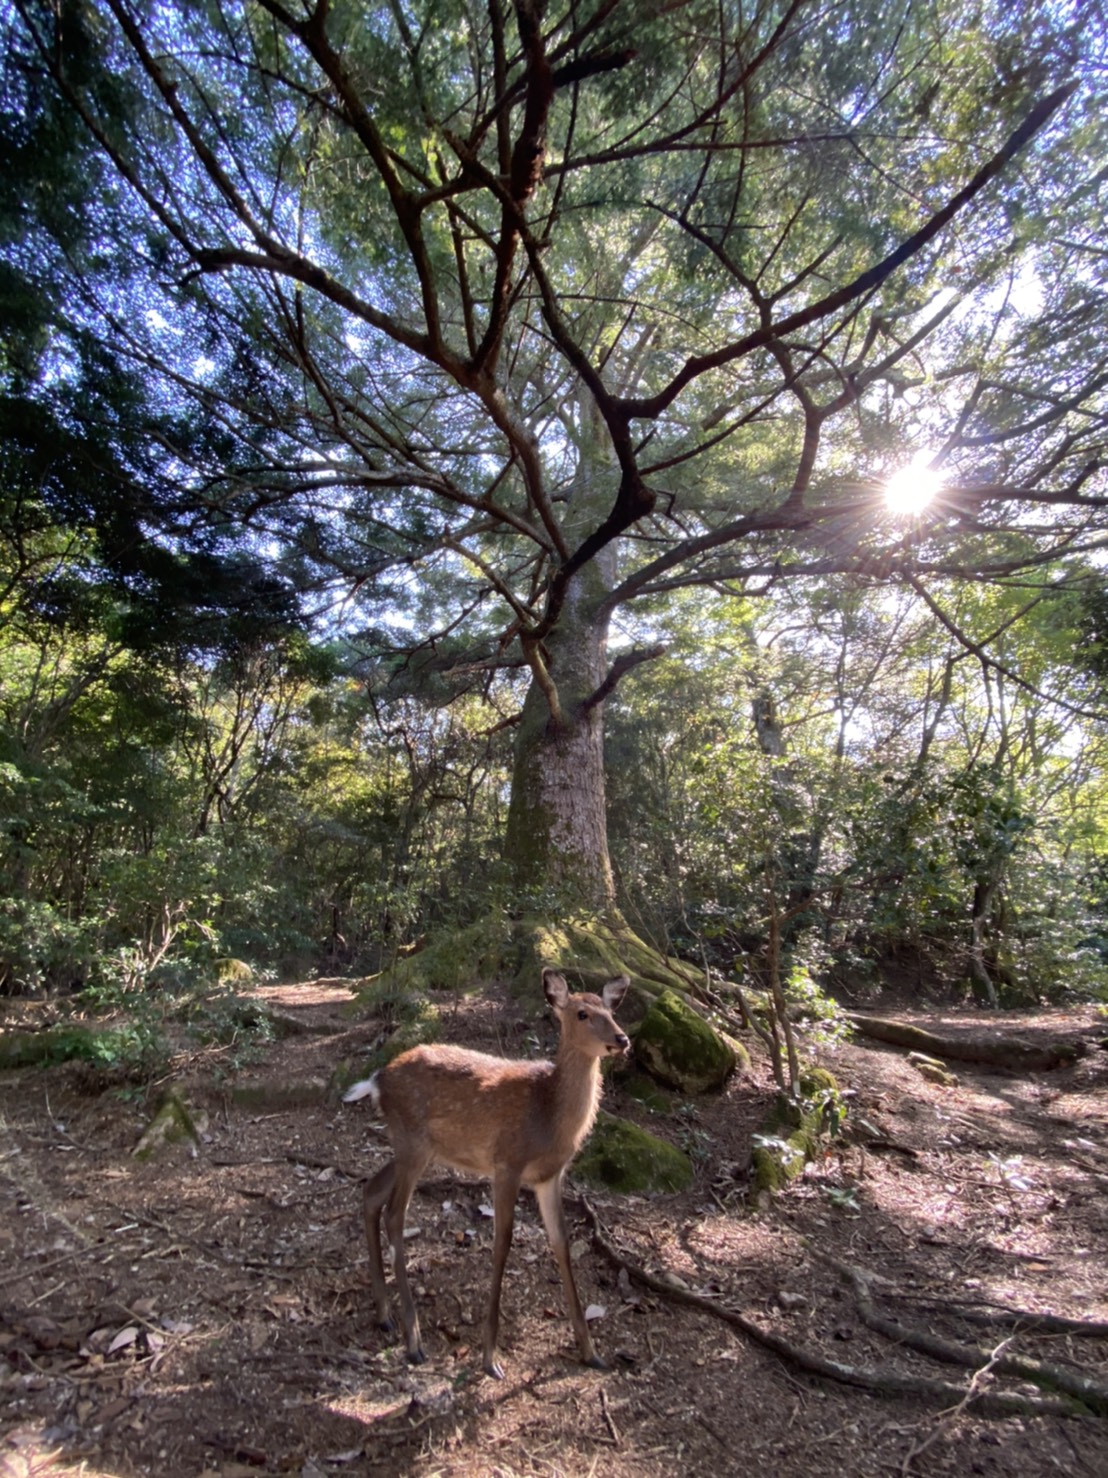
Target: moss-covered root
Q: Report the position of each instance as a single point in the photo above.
(622, 1157)
(456, 960)
(795, 1130)
(590, 951)
(594, 950)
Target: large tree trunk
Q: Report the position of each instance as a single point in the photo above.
(557, 835)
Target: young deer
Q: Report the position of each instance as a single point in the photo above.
(519, 1123)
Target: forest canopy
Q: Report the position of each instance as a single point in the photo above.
(472, 456)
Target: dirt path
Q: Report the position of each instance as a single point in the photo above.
(208, 1313)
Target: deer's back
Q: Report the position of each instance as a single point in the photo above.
(475, 1112)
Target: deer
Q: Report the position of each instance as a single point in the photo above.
(516, 1123)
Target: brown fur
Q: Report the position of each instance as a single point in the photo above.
(517, 1123)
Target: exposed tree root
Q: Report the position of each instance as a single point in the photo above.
(991, 1051)
(1041, 1373)
(1020, 1320)
(879, 1382)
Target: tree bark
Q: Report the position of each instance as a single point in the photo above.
(557, 833)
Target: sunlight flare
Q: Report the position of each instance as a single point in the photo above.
(912, 488)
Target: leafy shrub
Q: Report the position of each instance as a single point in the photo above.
(40, 949)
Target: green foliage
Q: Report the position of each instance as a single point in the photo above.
(820, 1013)
(843, 1198)
(300, 432)
(40, 948)
(929, 788)
(133, 1051)
(228, 1020)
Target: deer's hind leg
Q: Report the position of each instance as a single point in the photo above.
(405, 1178)
(376, 1192)
(505, 1190)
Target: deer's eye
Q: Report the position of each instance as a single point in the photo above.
(582, 1016)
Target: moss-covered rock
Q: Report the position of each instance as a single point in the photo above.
(794, 1131)
(681, 1049)
(173, 1123)
(229, 971)
(817, 1081)
(622, 1157)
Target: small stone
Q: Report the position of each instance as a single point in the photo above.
(790, 1301)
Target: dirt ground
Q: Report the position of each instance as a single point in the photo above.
(207, 1313)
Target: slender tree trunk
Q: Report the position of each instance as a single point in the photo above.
(983, 895)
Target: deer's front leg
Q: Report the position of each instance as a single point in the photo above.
(549, 1197)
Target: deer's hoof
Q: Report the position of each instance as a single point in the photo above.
(594, 1362)
(417, 1357)
(495, 1369)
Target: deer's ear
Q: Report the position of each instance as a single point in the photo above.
(615, 991)
(555, 988)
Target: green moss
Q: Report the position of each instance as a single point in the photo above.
(230, 971)
(459, 960)
(793, 1134)
(822, 1099)
(644, 1090)
(592, 950)
(172, 1124)
(816, 1080)
(680, 1049)
(279, 1093)
(622, 1157)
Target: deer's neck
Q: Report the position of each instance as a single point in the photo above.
(577, 1086)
